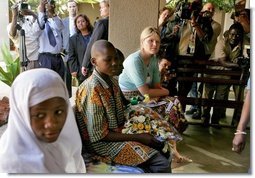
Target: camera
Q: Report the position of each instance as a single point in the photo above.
(204, 17)
(51, 1)
(23, 6)
(185, 9)
(243, 62)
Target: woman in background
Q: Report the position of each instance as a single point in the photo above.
(78, 44)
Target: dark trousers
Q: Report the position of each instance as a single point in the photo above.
(52, 61)
(157, 164)
(184, 87)
(68, 80)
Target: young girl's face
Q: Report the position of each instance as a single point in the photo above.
(106, 62)
(151, 44)
(48, 118)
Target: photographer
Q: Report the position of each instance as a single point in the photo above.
(227, 51)
(190, 34)
(206, 17)
(51, 41)
(24, 18)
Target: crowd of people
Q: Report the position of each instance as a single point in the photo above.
(51, 137)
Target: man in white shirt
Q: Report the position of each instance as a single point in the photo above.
(27, 20)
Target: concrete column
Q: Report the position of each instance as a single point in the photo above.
(4, 14)
(219, 17)
(92, 11)
(127, 20)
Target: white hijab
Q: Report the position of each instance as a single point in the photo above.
(20, 150)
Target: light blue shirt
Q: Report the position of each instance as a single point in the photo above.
(56, 25)
(136, 74)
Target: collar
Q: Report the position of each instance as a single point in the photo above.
(101, 80)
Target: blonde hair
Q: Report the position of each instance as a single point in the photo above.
(147, 32)
(105, 1)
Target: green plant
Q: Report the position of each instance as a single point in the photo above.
(12, 66)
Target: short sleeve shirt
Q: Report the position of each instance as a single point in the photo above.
(136, 74)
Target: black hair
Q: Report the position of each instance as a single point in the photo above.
(119, 54)
(89, 26)
(237, 26)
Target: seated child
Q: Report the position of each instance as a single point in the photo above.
(168, 75)
(100, 116)
(164, 66)
(42, 135)
(121, 58)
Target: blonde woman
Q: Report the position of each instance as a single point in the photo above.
(141, 76)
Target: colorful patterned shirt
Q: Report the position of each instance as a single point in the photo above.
(100, 110)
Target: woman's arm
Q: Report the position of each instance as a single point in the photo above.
(153, 92)
(240, 137)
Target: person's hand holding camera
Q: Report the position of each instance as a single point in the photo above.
(28, 12)
(15, 10)
(50, 6)
(42, 5)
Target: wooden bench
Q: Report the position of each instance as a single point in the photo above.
(187, 65)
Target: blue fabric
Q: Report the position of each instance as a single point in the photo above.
(53, 62)
(50, 34)
(136, 74)
(126, 169)
(94, 166)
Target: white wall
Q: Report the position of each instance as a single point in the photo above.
(127, 20)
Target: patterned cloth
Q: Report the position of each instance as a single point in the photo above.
(99, 109)
(171, 111)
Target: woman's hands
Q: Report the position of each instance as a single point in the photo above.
(238, 143)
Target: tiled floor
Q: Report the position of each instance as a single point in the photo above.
(210, 150)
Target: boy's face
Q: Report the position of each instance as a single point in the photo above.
(234, 37)
(164, 65)
(119, 66)
(48, 118)
(106, 62)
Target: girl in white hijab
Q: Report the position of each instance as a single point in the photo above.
(42, 135)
